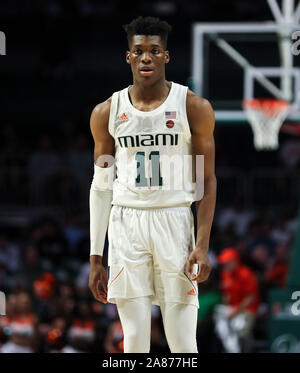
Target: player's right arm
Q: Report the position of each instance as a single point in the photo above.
(100, 196)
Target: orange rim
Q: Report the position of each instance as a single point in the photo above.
(265, 104)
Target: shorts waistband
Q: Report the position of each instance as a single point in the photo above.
(154, 209)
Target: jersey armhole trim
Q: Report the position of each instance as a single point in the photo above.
(187, 130)
(112, 113)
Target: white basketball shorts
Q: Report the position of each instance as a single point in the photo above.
(147, 255)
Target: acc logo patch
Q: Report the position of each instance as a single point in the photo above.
(170, 123)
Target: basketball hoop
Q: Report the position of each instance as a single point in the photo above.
(266, 117)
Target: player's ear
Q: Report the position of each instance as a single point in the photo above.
(167, 57)
(128, 57)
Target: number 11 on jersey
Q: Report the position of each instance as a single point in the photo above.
(156, 179)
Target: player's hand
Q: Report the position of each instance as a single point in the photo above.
(98, 277)
(204, 266)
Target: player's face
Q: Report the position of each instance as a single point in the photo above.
(147, 57)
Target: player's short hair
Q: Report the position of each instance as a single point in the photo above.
(148, 26)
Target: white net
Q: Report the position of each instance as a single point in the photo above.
(266, 117)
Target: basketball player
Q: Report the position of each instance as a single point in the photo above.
(152, 257)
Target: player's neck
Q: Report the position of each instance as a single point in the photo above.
(158, 91)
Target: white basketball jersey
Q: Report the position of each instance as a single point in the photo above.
(153, 152)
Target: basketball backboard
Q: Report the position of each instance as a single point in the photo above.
(232, 62)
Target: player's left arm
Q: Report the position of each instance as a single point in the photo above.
(202, 122)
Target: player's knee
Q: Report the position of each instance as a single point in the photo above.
(136, 341)
(184, 350)
(183, 345)
(181, 340)
(133, 346)
(133, 334)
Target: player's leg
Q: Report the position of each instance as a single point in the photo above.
(135, 317)
(245, 333)
(130, 283)
(224, 330)
(172, 234)
(180, 325)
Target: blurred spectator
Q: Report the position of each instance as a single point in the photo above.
(291, 216)
(81, 333)
(74, 231)
(235, 318)
(44, 292)
(30, 267)
(259, 259)
(79, 163)
(9, 254)
(65, 308)
(261, 236)
(235, 215)
(11, 301)
(82, 279)
(276, 275)
(114, 339)
(52, 243)
(279, 233)
(44, 286)
(228, 236)
(102, 323)
(21, 327)
(55, 335)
